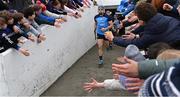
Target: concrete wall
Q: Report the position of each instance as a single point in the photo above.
(30, 76)
(109, 4)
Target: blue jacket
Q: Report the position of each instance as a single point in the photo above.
(46, 18)
(158, 29)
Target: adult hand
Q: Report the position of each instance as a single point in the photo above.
(129, 69)
(92, 85)
(109, 36)
(167, 7)
(129, 36)
(133, 84)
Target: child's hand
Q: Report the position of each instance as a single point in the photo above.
(16, 29)
(21, 41)
(31, 37)
(79, 15)
(57, 24)
(24, 52)
(92, 85)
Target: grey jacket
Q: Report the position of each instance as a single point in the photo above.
(150, 67)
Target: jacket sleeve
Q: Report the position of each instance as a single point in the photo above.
(150, 67)
(46, 18)
(141, 42)
(175, 11)
(59, 12)
(112, 84)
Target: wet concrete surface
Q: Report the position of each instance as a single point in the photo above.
(70, 84)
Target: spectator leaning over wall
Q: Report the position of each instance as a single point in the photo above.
(157, 28)
(6, 42)
(29, 14)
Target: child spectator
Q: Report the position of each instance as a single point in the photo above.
(15, 35)
(23, 26)
(54, 6)
(68, 10)
(43, 19)
(5, 41)
(29, 14)
(48, 13)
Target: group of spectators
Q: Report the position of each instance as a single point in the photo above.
(20, 19)
(154, 27)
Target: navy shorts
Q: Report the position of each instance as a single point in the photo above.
(101, 37)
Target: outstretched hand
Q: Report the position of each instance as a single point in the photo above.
(92, 85)
(130, 68)
(134, 84)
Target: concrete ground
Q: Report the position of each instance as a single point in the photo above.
(70, 84)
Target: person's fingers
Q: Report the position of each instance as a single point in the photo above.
(124, 36)
(128, 60)
(120, 71)
(133, 84)
(115, 70)
(119, 66)
(121, 60)
(133, 88)
(88, 86)
(132, 80)
(136, 93)
(93, 80)
(90, 90)
(87, 89)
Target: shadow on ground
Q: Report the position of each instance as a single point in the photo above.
(70, 84)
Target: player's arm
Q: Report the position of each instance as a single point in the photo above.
(110, 25)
